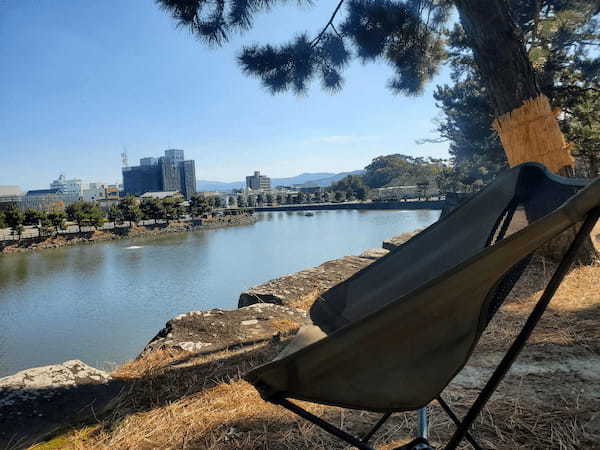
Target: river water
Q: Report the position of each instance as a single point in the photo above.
(102, 303)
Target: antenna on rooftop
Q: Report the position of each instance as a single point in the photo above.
(124, 161)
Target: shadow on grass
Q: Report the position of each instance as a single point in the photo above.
(163, 382)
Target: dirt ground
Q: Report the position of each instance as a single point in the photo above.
(550, 399)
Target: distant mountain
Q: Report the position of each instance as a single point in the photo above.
(300, 179)
(328, 181)
(209, 186)
(323, 179)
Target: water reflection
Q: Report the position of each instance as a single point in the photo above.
(102, 303)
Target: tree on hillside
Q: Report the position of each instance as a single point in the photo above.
(409, 36)
(352, 185)
(231, 201)
(2, 221)
(398, 170)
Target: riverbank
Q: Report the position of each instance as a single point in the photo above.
(184, 391)
(409, 205)
(89, 237)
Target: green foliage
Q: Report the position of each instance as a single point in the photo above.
(45, 226)
(559, 36)
(199, 205)
(399, 170)
(339, 196)
(57, 219)
(152, 209)
(407, 35)
(130, 210)
(85, 214)
(33, 217)
(172, 208)
(13, 217)
(352, 186)
(114, 214)
(2, 220)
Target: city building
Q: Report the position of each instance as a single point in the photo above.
(112, 192)
(258, 182)
(10, 195)
(93, 192)
(168, 173)
(69, 188)
(161, 195)
(45, 200)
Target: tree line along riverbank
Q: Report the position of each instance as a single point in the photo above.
(109, 231)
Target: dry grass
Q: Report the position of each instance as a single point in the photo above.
(550, 399)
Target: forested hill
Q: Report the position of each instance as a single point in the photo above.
(323, 179)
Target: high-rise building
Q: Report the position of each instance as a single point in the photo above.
(167, 173)
(143, 178)
(171, 178)
(258, 182)
(188, 178)
(174, 155)
(151, 161)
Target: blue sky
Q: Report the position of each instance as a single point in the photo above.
(82, 80)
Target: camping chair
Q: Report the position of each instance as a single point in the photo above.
(394, 335)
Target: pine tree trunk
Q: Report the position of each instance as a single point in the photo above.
(525, 122)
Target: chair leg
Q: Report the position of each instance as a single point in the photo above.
(332, 429)
(376, 427)
(423, 423)
(521, 339)
(456, 421)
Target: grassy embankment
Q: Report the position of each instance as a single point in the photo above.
(549, 400)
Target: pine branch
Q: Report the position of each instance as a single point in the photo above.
(330, 23)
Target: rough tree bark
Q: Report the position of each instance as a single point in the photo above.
(525, 121)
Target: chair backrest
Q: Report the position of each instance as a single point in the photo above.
(528, 189)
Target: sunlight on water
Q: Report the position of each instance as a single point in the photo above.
(102, 303)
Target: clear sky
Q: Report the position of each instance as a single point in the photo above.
(82, 80)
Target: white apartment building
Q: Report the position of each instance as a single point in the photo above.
(69, 188)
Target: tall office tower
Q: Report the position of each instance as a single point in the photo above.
(188, 178)
(169, 169)
(174, 155)
(167, 173)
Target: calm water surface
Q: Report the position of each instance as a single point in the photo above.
(102, 303)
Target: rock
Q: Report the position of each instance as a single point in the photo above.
(374, 253)
(302, 288)
(36, 402)
(211, 331)
(397, 241)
